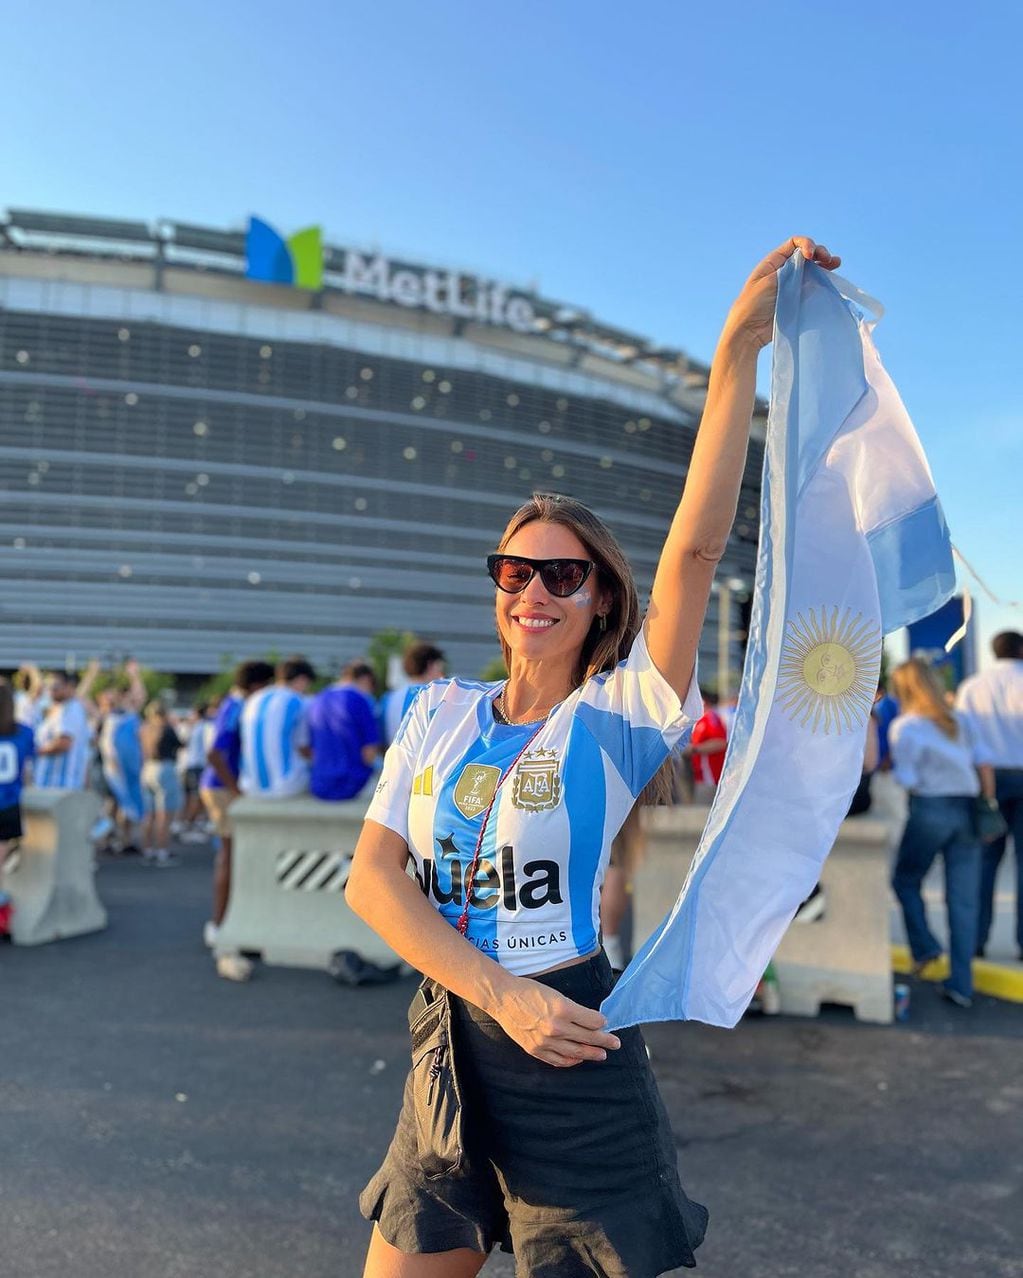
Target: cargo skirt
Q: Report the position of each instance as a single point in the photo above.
(574, 1170)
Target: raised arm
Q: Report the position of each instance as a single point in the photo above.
(85, 684)
(699, 531)
(136, 688)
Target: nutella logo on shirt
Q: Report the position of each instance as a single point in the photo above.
(494, 884)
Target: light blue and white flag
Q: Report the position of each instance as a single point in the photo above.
(853, 545)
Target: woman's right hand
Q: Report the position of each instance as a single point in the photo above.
(551, 1027)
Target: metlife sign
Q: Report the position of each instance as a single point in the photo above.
(454, 294)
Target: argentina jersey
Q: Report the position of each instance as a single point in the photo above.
(66, 771)
(273, 735)
(120, 751)
(571, 781)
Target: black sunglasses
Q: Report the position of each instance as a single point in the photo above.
(561, 577)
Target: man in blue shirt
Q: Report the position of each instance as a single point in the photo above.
(423, 662)
(343, 734)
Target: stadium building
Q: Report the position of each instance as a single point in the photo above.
(219, 444)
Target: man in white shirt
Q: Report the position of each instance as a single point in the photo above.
(275, 735)
(64, 738)
(993, 702)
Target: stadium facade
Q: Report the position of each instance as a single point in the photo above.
(199, 465)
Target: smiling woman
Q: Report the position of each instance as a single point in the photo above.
(525, 1123)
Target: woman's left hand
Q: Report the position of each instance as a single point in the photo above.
(752, 313)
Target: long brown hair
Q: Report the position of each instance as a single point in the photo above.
(602, 649)
(917, 692)
(7, 720)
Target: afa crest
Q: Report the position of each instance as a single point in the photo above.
(537, 785)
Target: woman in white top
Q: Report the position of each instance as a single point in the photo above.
(504, 799)
(935, 757)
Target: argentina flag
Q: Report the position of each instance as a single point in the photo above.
(853, 545)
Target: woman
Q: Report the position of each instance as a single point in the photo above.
(160, 746)
(935, 758)
(505, 799)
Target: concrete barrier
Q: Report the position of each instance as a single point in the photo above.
(53, 887)
(289, 866)
(844, 957)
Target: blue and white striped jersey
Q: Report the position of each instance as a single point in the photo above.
(535, 900)
(65, 771)
(273, 732)
(120, 752)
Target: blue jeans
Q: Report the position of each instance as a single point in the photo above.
(1009, 789)
(942, 825)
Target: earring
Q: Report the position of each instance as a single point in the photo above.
(603, 622)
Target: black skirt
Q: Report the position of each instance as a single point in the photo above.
(572, 1169)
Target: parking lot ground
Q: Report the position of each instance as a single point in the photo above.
(159, 1122)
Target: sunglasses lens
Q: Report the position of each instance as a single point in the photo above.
(563, 576)
(511, 575)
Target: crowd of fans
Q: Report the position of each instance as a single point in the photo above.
(165, 775)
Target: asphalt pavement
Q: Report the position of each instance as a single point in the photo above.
(160, 1122)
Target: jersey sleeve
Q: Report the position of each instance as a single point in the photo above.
(635, 715)
(389, 805)
(905, 754)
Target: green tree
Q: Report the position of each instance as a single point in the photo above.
(494, 670)
(384, 645)
(155, 682)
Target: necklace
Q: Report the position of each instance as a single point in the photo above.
(500, 708)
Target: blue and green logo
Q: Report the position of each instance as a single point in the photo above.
(298, 260)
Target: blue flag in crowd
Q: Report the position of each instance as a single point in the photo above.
(853, 545)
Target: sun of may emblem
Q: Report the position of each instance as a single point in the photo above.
(829, 670)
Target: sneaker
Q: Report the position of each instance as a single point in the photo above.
(349, 968)
(954, 997)
(233, 967)
(210, 932)
(101, 828)
(193, 836)
(159, 858)
(919, 965)
(812, 909)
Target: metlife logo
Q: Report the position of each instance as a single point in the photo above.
(299, 261)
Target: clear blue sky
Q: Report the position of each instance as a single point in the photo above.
(634, 159)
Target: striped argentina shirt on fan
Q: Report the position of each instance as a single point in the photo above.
(535, 899)
(65, 771)
(273, 734)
